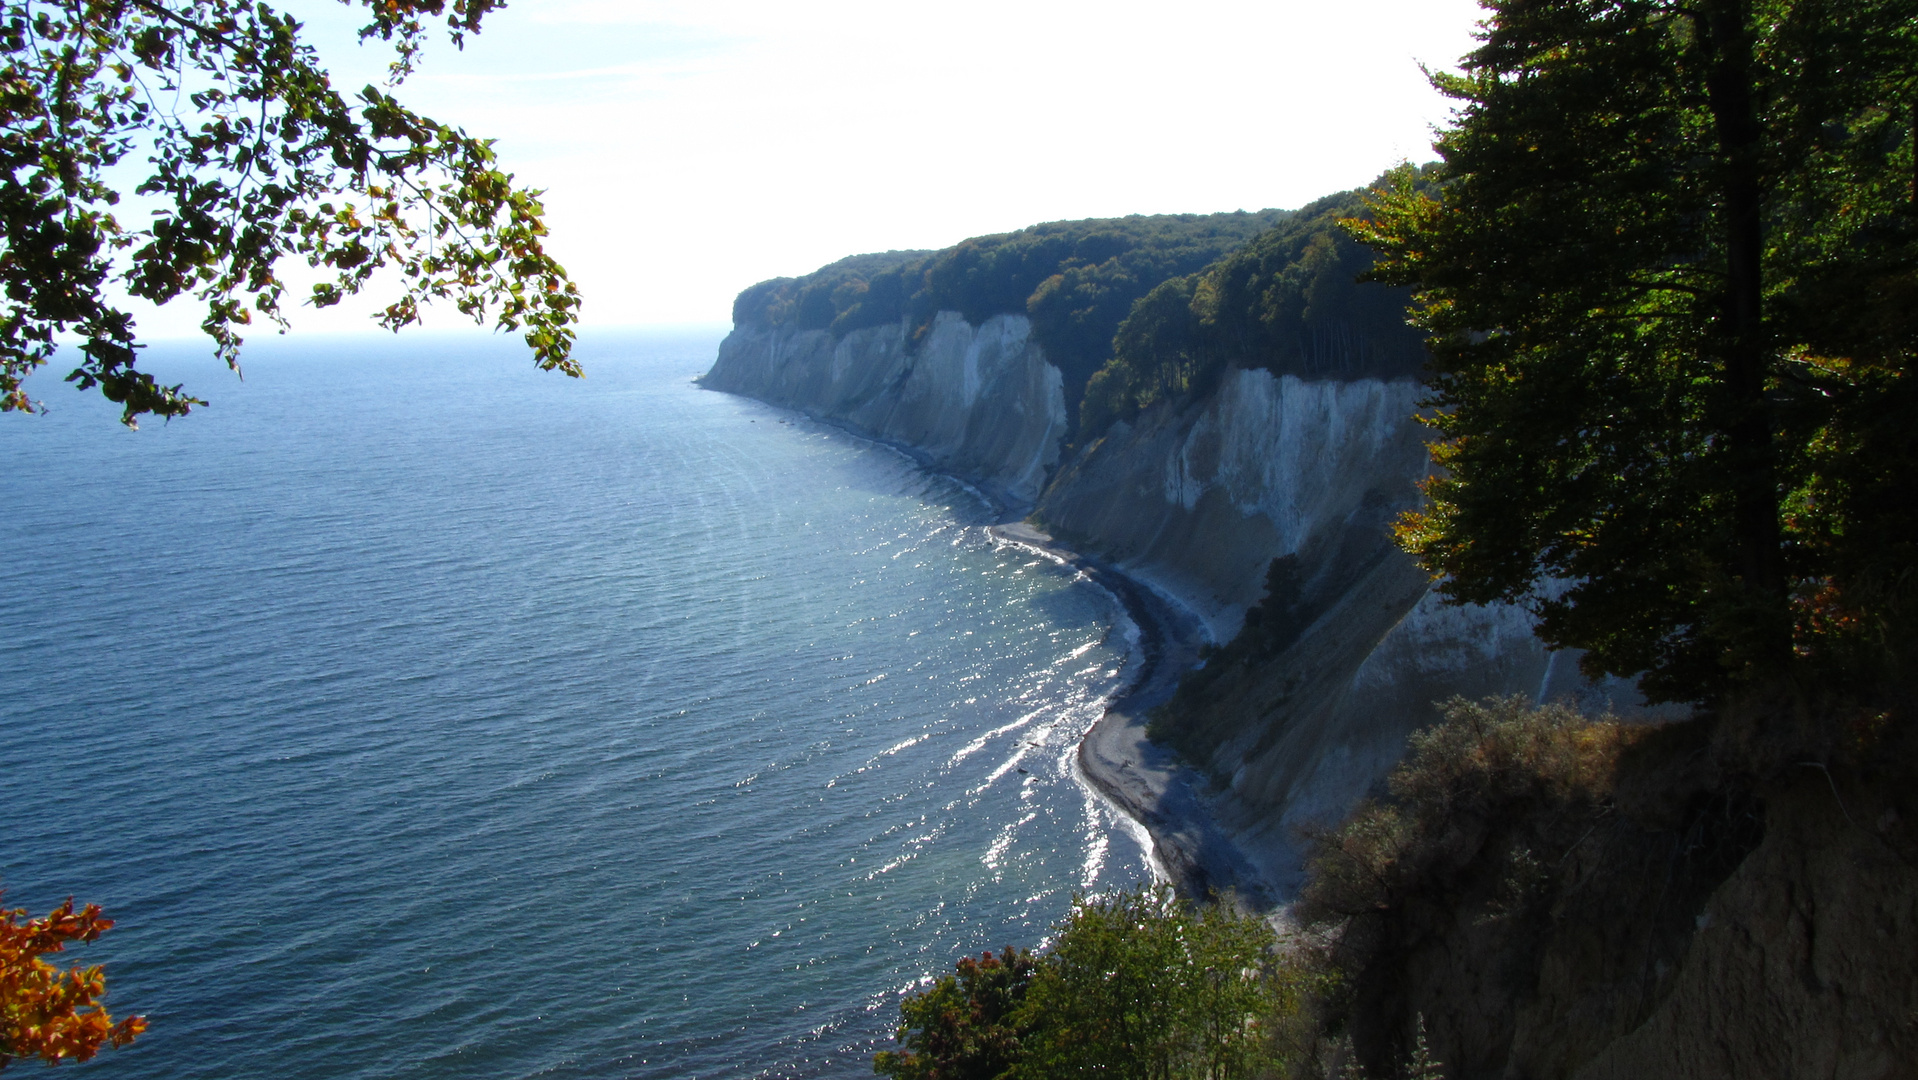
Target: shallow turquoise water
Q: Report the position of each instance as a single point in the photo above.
(420, 715)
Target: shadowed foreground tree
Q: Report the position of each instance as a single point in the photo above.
(253, 157)
(966, 1026)
(1671, 278)
(45, 1012)
(1138, 985)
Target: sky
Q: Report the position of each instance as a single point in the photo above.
(689, 148)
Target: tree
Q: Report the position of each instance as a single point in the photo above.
(1420, 1064)
(1138, 985)
(1143, 985)
(1075, 280)
(967, 1025)
(1287, 300)
(45, 1012)
(253, 158)
(1671, 275)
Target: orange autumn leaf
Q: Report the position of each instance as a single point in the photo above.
(46, 1012)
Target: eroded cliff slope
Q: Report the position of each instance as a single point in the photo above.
(1199, 497)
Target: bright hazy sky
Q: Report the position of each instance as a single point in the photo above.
(692, 147)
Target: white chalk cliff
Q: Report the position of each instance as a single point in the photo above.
(1196, 499)
(978, 402)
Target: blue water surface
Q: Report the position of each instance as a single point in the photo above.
(418, 714)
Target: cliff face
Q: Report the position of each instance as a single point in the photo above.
(1196, 500)
(1199, 500)
(978, 402)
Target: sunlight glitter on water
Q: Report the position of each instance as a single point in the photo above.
(444, 719)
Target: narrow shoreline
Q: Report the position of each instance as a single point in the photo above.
(1144, 780)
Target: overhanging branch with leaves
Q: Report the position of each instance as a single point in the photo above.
(255, 158)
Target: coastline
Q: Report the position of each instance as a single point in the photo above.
(1145, 781)
(1141, 779)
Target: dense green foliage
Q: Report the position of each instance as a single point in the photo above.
(1138, 985)
(1671, 278)
(1141, 985)
(851, 294)
(1289, 301)
(1075, 279)
(247, 144)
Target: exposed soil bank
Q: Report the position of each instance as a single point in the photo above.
(1693, 918)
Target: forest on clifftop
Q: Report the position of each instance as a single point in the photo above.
(1280, 281)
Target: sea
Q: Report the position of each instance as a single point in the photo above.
(417, 714)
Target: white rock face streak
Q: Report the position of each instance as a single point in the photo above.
(978, 402)
(1198, 501)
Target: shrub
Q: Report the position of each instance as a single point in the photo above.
(1491, 763)
(1441, 897)
(966, 1027)
(1139, 984)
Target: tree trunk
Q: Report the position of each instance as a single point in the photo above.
(1745, 348)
